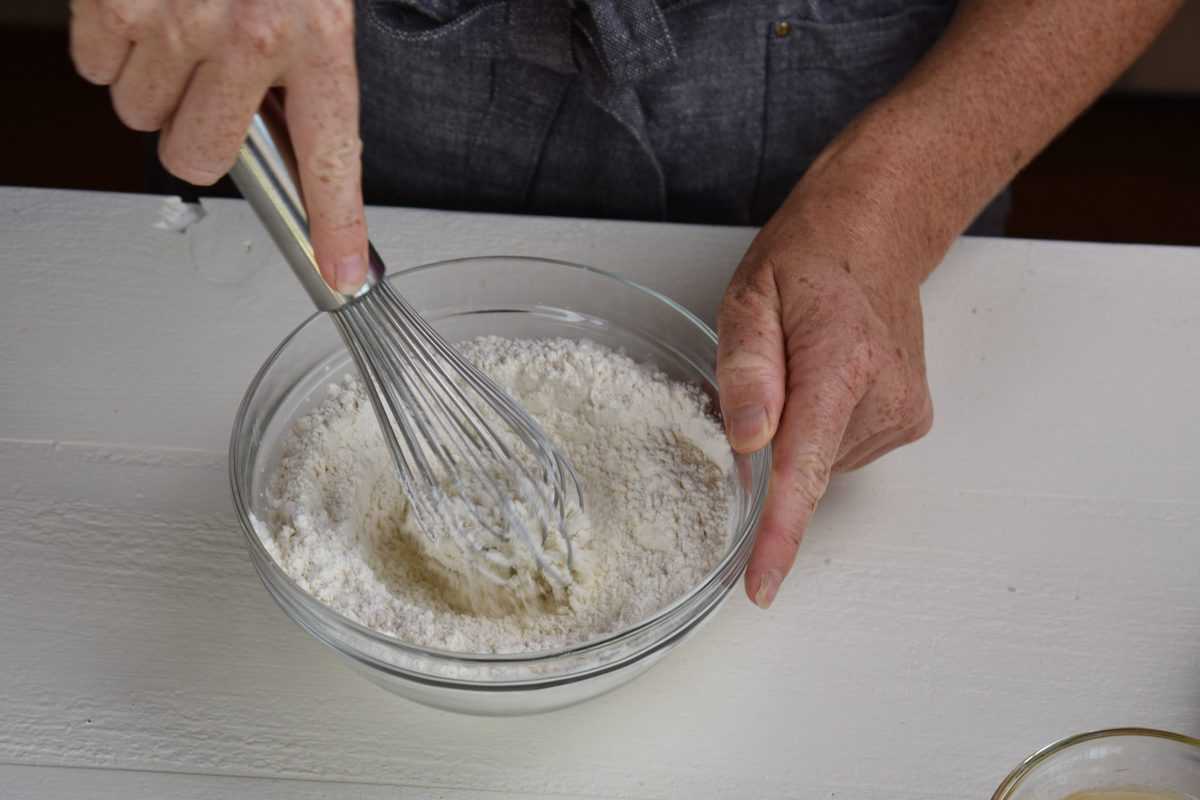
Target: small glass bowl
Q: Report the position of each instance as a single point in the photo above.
(1120, 759)
(517, 298)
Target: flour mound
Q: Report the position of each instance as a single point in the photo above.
(652, 461)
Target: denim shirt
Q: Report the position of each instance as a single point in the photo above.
(682, 110)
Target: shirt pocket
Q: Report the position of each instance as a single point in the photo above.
(426, 75)
(704, 116)
(825, 64)
(424, 20)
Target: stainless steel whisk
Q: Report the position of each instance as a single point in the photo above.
(463, 449)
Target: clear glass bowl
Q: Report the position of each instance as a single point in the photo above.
(1120, 759)
(512, 297)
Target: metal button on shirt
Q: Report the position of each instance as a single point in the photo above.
(683, 110)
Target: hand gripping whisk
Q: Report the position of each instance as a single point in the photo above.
(486, 486)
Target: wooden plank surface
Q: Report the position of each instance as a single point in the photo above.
(69, 783)
(1030, 570)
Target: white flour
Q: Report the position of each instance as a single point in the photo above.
(652, 462)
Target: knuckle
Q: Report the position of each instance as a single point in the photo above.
(137, 114)
(336, 159)
(345, 222)
(193, 167)
(746, 293)
(123, 18)
(332, 21)
(862, 347)
(261, 33)
(812, 303)
(195, 174)
(142, 120)
(808, 473)
(852, 375)
(176, 43)
(186, 31)
(748, 329)
(98, 71)
(746, 365)
(751, 291)
(853, 355)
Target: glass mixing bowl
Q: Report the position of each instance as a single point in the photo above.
(1139, 760)
(518, 298)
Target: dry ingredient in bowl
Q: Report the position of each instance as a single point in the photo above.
(652, 460)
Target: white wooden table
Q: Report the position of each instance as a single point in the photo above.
(1030, 570)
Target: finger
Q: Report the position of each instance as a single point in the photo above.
(322, 115)
(896, 409)
(814, 420)
(865, 454)
(850, 456)
(201, 141)
(98, 52)
(157, 70)
(751, 366)
(151, 84)
(864, 427)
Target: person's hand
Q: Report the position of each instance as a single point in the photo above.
(198, 71)
(821, 353)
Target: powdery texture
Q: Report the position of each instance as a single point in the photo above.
(653, 463)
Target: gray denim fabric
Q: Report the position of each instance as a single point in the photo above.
(683, 110)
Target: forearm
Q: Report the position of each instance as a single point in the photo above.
(1003, 81)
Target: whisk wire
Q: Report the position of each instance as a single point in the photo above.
(449, 391)
(399, 436)
(440, 437)
(513, 414)
(391, 399)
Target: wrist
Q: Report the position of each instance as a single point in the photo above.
(866, 210)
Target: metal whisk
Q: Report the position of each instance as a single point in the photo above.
(473, 464)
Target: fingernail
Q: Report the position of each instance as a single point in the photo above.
(748, 427)
(768, 585)
(349, 274)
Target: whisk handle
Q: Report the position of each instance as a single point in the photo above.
(265, 173)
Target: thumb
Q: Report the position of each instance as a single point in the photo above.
(751, 362)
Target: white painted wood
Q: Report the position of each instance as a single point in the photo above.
(72, 783)
(1030, 570)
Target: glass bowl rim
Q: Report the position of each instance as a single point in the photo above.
(746, 527)
(1013, 780)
